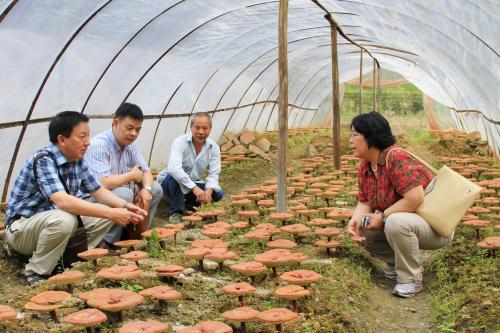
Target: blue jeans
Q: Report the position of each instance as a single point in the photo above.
(178, 200)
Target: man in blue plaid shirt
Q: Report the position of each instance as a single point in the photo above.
(41, 215)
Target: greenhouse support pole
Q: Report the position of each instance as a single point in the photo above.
(283, 108)
(335, 93)
(373, 85)
(379, 91)
(361, 81)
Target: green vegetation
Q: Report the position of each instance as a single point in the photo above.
(401, 100)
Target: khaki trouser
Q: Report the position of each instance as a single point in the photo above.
(400, 242)
(44, 237)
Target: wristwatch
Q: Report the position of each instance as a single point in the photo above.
(384, 218)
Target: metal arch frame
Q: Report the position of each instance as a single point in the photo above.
(38, 93)
(247, 47)
(257, 121)
(261, 73)
(6, 12)
(298, 95)
(437, 47)
(250, 64)
(178, 42)
(122, 49)
(272, 91)
(436, 13)
(295, 100)
(159, 121)
(220, 100)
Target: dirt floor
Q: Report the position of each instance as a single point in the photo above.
(353, 297)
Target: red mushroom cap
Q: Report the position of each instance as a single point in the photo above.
(148, 326)
(86, 318)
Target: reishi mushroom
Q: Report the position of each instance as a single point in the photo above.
(292, 293)
(67, 279)
(239, 289)
(277, 317)
(241, 315)
(148, 326)
(88, 318)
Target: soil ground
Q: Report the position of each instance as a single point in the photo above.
(354, 298)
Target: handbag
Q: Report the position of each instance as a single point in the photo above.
(446, 198)
(78, 242)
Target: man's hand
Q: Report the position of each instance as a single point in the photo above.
(124, 216)
(208, 196)
(136, 175)
(144, 198)
(199, 194)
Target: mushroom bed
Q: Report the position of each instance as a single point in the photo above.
(287, 254)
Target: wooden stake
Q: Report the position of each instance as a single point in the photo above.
(283, 108)
(373, 85)
(335, 93)
(361, 82)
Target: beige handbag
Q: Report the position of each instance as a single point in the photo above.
(447, 198)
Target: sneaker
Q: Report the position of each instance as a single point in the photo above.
(407, 290)
(390, 273)
(175, 218)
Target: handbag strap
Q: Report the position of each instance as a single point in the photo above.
(427, 165)
(36, 159)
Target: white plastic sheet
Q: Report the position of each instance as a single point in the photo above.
(175, 57)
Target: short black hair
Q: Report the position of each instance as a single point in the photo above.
(64, 122)
(375, 128)
(129, 110)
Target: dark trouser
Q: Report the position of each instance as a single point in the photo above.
(178, 200)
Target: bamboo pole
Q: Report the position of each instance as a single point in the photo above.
(283, 108)
(361, 82)
(335, 93)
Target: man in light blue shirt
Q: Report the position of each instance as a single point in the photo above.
(191, 156)
(114, 160)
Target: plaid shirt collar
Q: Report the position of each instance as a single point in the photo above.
(57, 154)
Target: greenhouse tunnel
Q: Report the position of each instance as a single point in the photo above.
(174, 58)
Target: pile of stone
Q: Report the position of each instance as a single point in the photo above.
(242, 146)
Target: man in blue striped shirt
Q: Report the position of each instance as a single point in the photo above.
(114, 160)
(41, 215)
(191, 156)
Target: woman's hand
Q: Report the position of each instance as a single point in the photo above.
(376, 222)
(353, 230)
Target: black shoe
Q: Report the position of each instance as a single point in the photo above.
(108, 246)
(34, 278)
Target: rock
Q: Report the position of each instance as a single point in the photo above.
(229, 136)
(210, 265)
(263, 144)
(312, 150)
(237, 150)
(72, 302)
(257, 151)
(474, 137)
(188, 271)
(222, 140)
(226, 146)
(247, 138)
